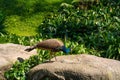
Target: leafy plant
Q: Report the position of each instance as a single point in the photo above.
(19, 70)
(96, 28)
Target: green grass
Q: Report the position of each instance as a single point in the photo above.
(23, 26)
(53, 1)
(24, 17)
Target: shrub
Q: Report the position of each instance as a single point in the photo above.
(97, 28)
(2, 16)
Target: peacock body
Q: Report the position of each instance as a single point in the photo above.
(54, 45)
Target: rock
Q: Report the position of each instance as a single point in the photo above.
(77, 67)
(9, 53)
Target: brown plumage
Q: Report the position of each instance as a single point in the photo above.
(54, 45)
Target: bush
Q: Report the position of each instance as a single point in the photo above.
(19, 70)
(2, 16)
(97, 28)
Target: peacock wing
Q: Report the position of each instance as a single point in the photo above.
(50, 44)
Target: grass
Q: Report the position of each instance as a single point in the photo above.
(23, 26)
(24, 17)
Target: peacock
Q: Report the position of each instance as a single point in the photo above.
(54, 45)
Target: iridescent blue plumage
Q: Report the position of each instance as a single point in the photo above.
(66, 50)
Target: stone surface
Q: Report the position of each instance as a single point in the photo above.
(77, 67)
(10, 52)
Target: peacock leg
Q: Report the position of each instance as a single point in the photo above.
(50, 56)
(55, 56)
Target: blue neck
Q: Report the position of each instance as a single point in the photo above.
(65, 50)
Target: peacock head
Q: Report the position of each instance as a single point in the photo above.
(65, 50)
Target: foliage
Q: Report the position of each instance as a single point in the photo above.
(22, 17)
(23, 40)
(22, 26)
(97, 28)
(19, 70)
(93, 31)
(2, 16)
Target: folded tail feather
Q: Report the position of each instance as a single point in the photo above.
(30, 49)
